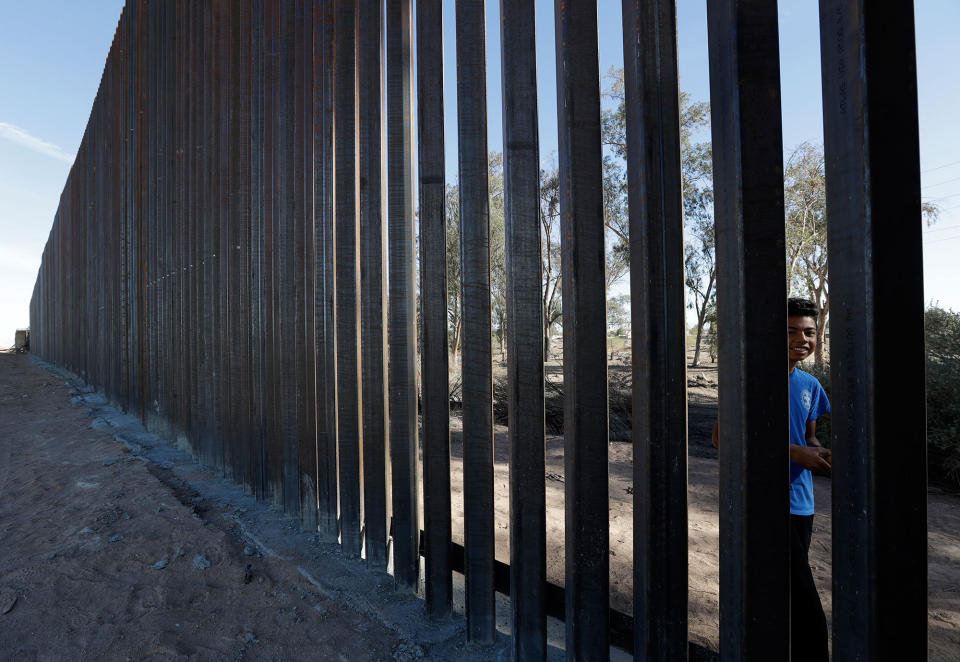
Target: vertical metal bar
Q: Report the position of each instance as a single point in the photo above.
(521, 170)
(164, 231)
(208, 442)
(178, 217)
(306, 363)
(402, 300)
(298, 258)
(658, 330)
(258, 335)
(228, 148)
(272, 202)
(372, 309)
(106, 217)
(201, 447)
(347, 276)
(873, 203)
(477, 370)
(161, 219)
(117, 178)
(191, 209)
(226, 253)
(324, 272)
(219, 248)
(433, 306)
(123, 149)
(290, 343)
(154, 220)
(584, 333)
(139, 175)
(748, 188)
(241, 249)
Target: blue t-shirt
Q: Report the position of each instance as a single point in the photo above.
(808, 401)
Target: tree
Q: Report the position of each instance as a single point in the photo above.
(498, 255)
(454, 309)
(696, 171)
(618, 312)
(550, 254)
(498, 269)
(701, 278)
(805, 210)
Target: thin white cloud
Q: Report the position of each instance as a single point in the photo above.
(23, 137)
(20, 258)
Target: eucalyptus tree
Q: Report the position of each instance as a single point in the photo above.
(697, 182)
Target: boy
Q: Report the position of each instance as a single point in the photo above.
(808, 402)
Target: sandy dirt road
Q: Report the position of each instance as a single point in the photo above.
(107, 554)
(703, 526)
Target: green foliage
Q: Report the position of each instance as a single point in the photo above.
(943, 404)
(454, 312)
(805, 210)
(618, 312)
(822, 372)
(696, 171)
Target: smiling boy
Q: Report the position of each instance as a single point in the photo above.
(808, 401)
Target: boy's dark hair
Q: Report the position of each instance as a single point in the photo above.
(798, 307)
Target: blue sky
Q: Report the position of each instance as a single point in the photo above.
(52, 54)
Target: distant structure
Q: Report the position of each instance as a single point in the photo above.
(21, 341)
(233, 261)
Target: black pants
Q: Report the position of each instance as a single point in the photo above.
(808, 625)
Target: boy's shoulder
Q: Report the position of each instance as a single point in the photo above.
(805, 380)
(808, 392)
(804, 376)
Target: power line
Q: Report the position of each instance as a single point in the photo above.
(946, 165)
(945, 181)
(932, 198)
(952, 226)
(941, 240)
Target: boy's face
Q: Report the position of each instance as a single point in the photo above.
(801, 337)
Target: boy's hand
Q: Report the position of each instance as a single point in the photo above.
(815, 458)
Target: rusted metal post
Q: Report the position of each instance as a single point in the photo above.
(324, 231)
(433, 305)
(751, 300)
(402, 312)
(273, 436)
(658, 330)
(258, 322)
(303, 251)
(347, 274)
(372, 258)
(584, 333)
(477, 369)
(521, 176)
(241, 194)
(873, 206)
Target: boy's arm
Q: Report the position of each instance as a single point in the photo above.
(813, 456)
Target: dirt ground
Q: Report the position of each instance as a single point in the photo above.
(702, 495)
(107, 555)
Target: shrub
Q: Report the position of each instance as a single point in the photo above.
(822, 372)
(942, 330)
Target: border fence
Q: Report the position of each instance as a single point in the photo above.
(234, 261)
